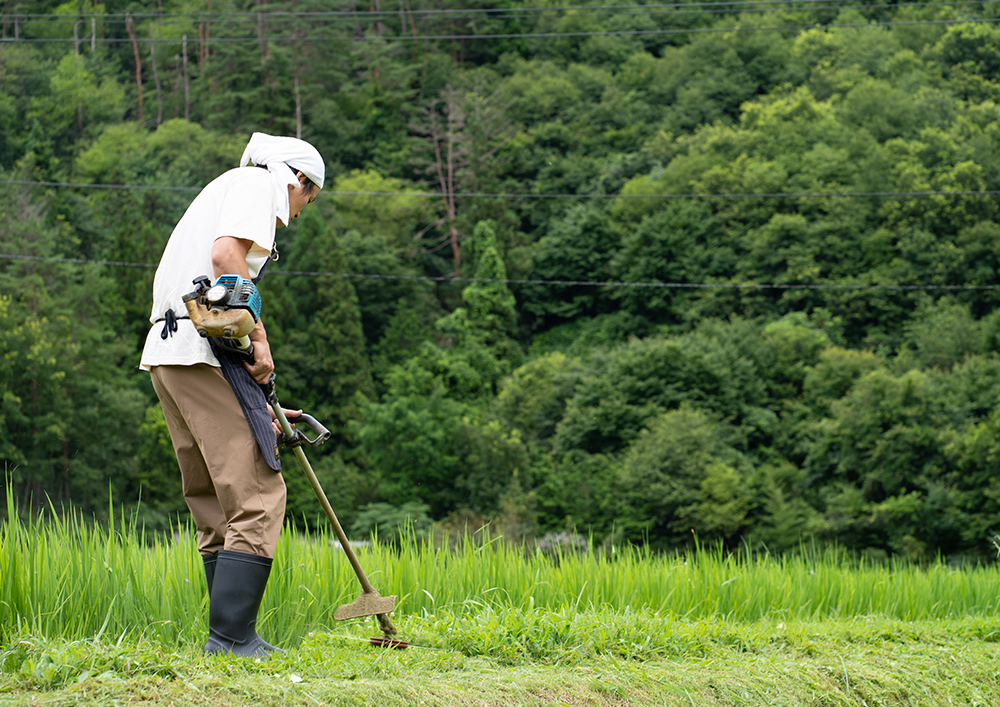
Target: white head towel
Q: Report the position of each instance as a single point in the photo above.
(283, 157)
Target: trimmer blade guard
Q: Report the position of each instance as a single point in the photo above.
(368, 604)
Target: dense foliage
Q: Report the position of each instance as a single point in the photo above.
(486, 374)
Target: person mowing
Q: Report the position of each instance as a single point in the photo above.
(219, 422)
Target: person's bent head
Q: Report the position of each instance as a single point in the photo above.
(304, 193)
(294, 163)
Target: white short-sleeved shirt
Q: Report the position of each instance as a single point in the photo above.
(241, 203)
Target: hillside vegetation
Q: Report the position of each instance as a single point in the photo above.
(643, 274)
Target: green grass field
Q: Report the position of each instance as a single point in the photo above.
(93, 615)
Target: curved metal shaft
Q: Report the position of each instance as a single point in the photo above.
(383, 619)
(327, 508)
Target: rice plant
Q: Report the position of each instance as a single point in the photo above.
(63, 577)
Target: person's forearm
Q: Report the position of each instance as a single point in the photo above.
(263, 364)
(258, 333)
(229, 257)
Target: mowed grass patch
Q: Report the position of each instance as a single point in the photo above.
(862, 661)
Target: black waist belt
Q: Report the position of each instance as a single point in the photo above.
(251, 399)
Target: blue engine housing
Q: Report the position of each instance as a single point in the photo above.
(243, 294)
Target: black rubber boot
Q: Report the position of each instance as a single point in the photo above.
(210, 561)
(237, 589)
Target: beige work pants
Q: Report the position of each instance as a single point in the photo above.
(237, 501)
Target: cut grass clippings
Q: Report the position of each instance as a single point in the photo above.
(865, 661)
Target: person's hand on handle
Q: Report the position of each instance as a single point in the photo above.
(263, 365)
(290, 414)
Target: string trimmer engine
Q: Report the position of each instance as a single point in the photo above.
(228, 309)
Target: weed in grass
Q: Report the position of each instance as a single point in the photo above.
(46, 664)
(864, 661)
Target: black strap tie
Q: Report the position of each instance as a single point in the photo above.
(169, 320)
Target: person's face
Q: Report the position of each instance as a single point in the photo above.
(299, 196)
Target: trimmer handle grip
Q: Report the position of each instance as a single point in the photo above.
(297, 437)
(322, 434)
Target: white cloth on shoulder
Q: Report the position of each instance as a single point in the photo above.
(283, 156)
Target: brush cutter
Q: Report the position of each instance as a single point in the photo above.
(370, 603)
(229, 309)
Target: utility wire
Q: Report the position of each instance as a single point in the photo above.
(512, 195)
(75, 261)
(510, 35)
(776, 195)
(507, 13)
(734, 4)
(137, 187)
(514, 281)
(394, 16)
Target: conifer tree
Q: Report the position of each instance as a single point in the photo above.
(491, 304)
(477, 339)
(322, 364)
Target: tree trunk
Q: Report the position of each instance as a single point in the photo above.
(445, 172)
(138, 62)
(187, 80)
(65, 470)
(298, 107)
(79, 103)
(452, 230)
(413, 25)
(376, 71)
(377, 7)
(358, 32)
(156, 79)
(260, 34)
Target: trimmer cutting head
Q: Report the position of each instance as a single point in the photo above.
(368, 604)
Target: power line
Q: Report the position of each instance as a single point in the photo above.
(78, 185)
(75, 261)
(775, 195)
(432, 12)
(664, 285)
(514, 195)
(394, 15)
(770, 6)
(510, 35)
(516, 281)
(752, 10)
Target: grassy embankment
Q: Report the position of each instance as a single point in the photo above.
(100, 616)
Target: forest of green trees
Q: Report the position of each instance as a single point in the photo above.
(645, 273)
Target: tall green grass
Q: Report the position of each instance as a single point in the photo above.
(62, 577)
